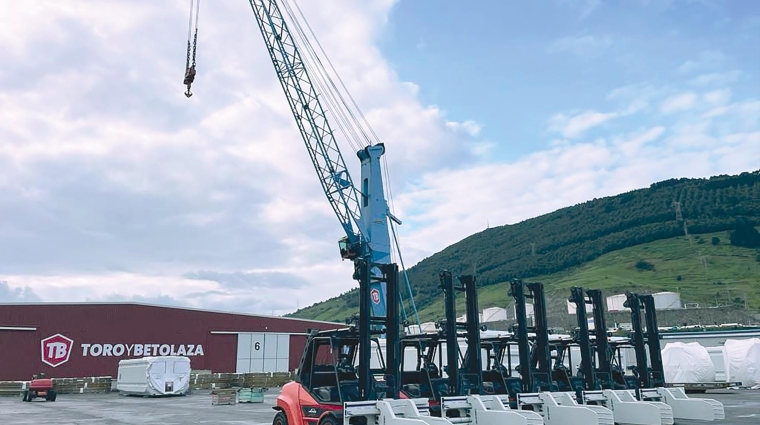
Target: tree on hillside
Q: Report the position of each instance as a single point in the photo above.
(745, 234)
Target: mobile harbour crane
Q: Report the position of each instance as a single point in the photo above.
(335, 369)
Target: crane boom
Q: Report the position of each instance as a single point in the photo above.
(363, 212)
(310, 117)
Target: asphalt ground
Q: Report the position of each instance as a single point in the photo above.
(741, 406)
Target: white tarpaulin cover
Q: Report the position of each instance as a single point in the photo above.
(687, 363)
(743, 358)
(166, 375)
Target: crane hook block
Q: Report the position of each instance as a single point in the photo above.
(189, 78)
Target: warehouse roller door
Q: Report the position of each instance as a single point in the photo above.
(262, 352)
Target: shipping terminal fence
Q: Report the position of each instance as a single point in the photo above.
(198, 381)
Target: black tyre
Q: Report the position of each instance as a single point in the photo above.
(329, 420)
(280, 419)
(32, 395)
(51, 395)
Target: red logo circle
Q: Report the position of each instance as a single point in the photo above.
(375, 294)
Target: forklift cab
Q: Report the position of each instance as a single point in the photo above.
(328, 369)
(498, 368)
(422, 370)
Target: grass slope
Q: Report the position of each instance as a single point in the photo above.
(722, 273)
(589, 243)
(709, 273)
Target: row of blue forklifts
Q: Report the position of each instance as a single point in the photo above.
(372, 372)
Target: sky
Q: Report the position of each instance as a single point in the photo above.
(115, 187)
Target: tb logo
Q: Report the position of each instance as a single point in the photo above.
(56, 350)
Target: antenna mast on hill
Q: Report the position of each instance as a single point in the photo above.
(680, 219)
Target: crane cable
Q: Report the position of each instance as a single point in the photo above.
(369, 128)
(337, 106)
(350, 121)
(340, 108)
(357, 123)
(190, 65)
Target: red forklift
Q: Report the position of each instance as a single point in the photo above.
(337, 367)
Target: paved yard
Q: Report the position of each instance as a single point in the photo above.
(742, 407)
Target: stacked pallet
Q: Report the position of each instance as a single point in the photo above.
(247, 380)
(213, 380)
(223, 397)
(98, 384)
(11, 388)
(266, 380)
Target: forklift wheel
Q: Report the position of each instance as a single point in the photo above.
(50, 395)
(329, 420)
(280, 419)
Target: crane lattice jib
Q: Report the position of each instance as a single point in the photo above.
(310, 116)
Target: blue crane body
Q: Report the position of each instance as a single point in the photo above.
(364, 213)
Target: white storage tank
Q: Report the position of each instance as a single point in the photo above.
(570, 307)
(615, 303)
(494, 314)
(153, 376)
(667, 300)
(423, 328)
(528, 311)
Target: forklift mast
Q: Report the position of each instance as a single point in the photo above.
(578, 297)
(657, 371)
(452, 346)
(517, 291)
(535, 364)
(646, 339)
(602, 344)
(637, 339)
(473, 366)
(541, 349)
(367, 323)
(468, 379)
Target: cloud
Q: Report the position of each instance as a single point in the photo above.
(716, 78)
(258, 279)
(584, 8)
(708, 59)
(573, 126)
(680, 102)
(718, 97)
(16, 295)
(586, 46)
(471, 128)
(589, 7)
(563, 175)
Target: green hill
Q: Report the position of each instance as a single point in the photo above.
(600, 242)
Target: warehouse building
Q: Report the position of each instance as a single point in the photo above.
(89, 339)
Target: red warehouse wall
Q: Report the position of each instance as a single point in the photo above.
(103, 334)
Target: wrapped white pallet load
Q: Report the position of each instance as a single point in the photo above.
(743, 358)
(687, 363)
(154, 376)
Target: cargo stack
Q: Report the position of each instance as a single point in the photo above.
(99, 384)
(223, 397)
